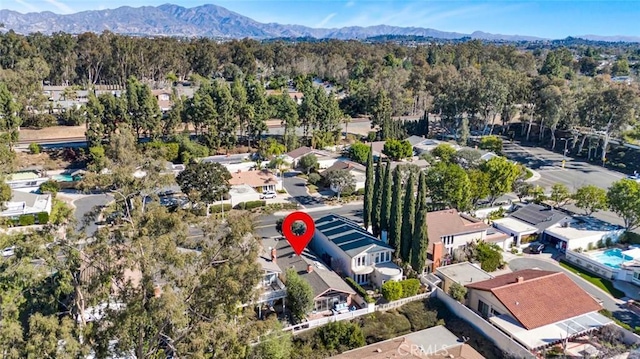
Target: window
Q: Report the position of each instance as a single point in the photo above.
(483, 308)
(377, 257)
(636, 276)
(495, 313)
(388, 255)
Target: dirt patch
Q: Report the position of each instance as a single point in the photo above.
(49, 160)
(55, 132)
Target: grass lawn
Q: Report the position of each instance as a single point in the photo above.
(601, 283)
(312, 188)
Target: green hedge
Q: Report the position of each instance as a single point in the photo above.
(360, 192)
(358, 288)
(410, 287)
(216, 208)
(251, 204)
(43, 218)
(27, 220)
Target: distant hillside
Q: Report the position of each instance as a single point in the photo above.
(207, 20)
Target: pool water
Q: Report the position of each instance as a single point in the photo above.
(612, 258)
(64, 178)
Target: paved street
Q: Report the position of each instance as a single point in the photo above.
(549, 165)
(608, 302)
(297, 188)
(87, 204)
(575, 174)
(266, 225)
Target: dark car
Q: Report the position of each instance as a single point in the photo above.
(536, 247)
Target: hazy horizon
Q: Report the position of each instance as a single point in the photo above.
(546, 19)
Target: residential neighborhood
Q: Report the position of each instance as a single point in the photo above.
(300, 197)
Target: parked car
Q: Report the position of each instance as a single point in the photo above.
(9, 251)
(268, 195)
(536, 247)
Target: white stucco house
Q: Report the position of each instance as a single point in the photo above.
(358, 171)
(354, 252)
(22, 203)
(325, 159)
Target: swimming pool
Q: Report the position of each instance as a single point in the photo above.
(64, 178)
(612, 258)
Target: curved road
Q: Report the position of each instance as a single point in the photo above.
(609, 303)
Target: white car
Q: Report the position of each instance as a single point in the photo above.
(9, 251)
(268, 195)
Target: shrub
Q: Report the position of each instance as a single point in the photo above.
(590, 247)
(218, 208)
(608, 242)
(314, 178)
(419, 317)
(254, 204)
(43, 218)
(169, 151)
(50, 187)
(341, 336)
(392, 290)
(34, 148)
(386, 325)
(458, 292)
(600, 244)
(27, 220)
(410, 287)
(358, 288)
(360, 192)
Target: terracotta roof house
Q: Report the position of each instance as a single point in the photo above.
(433, 343)
(449, 230)
(536, 308)
(261, 181)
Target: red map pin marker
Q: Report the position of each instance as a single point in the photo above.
(298, 242)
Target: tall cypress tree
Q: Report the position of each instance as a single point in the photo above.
(420, 240)
(368, 191)
(421, 203)
(395, 217)
(408, 219)
(377, 199)
(385, 210)
(420, 243)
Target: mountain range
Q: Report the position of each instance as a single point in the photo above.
(216, 21)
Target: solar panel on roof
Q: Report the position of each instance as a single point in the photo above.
(349, 237)
(533, 214)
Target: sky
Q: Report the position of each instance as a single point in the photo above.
(545, 18)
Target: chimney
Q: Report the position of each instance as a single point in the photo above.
(520, 280)
(309, 268)
(273, 255)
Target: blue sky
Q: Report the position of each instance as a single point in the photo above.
(545, 18)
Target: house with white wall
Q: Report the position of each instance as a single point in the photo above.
(536, 308)
(325, 159)
(353, 252)
(583, 233)
(24, 203)
(358, 171)
(449, 230)
(260, 180)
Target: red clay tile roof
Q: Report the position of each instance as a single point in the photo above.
(253, 178)
(450, 222)
(540, 298)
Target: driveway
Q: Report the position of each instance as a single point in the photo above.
(84, 207)
(609, 303)
(297, 188)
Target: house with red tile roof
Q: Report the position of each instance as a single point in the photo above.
(536, 308)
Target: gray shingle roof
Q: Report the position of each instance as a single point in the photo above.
(539, 216)
(348, 235)
(321, 278)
